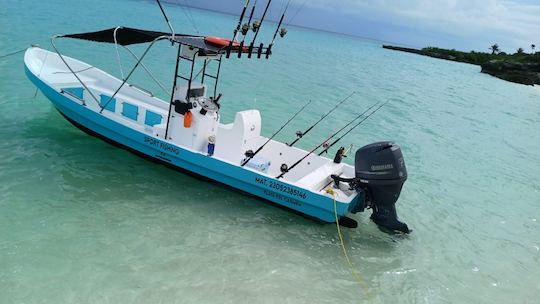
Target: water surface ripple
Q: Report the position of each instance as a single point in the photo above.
(84, 222)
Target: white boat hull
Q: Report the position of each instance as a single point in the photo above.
(315, 203)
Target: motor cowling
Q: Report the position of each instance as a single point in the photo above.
(380, 172)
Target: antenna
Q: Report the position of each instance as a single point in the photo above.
(166, 19)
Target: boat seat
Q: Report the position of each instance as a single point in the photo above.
(321, 176)
(232, 139)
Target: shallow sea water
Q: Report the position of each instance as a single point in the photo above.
(84, 222)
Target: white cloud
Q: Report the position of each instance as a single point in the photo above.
(512, 23)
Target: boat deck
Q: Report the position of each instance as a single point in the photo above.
(141, 111)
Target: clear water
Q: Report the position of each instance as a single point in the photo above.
(84, 222)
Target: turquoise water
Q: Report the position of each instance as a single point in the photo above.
(84, 222)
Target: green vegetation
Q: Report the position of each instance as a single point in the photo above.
(494, 49)
(519, 67)
(480, 58)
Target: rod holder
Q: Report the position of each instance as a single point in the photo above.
(268, 51)
(241, 49)
(250, 49)
(259, 51)
(229, 48)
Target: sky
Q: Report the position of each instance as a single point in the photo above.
(460, 24)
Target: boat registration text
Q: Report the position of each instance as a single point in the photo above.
(280, 187)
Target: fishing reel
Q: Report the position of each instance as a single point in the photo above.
(245, 28)
(340, 154)
(283, 32)
(255, 26)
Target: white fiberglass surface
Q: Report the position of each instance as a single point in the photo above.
(49, 67)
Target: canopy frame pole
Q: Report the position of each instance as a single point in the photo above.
(131, 72)
(167, 20)
(203, 71)
(217, 76)
(117, 53)
(71, 70)
(147, 71)
(191, 76)
(124, 80)
(173, 89)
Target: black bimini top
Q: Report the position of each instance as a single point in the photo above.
(127, 36)
(124, 35)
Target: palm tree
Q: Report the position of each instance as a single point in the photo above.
(494, 49)
(520, 51)
(533, 47)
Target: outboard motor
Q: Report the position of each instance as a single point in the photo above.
(380, 173)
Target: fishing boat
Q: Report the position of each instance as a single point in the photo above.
(186, 132)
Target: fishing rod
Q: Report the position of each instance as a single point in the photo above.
(279, 24)
(261, 22)
(285, 169)
(166, 19)
(353, 127)
(241, 19)
(296, 14)
(246, 26)
(300, 134)
(257, 27)
(282, 33)
(252, 154)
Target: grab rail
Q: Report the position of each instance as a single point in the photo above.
(72, 95)
(142, 90)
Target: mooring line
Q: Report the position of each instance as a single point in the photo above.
(11, 54)
(355, 272)
(17, 52)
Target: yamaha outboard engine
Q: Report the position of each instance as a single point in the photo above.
(381, 172)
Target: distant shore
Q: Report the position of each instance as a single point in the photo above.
(519, 68)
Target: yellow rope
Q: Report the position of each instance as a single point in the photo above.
(355, 273)
(348, 150)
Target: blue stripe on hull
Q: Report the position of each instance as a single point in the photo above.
(287, 195)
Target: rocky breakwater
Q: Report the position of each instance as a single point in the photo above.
(524, 73)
